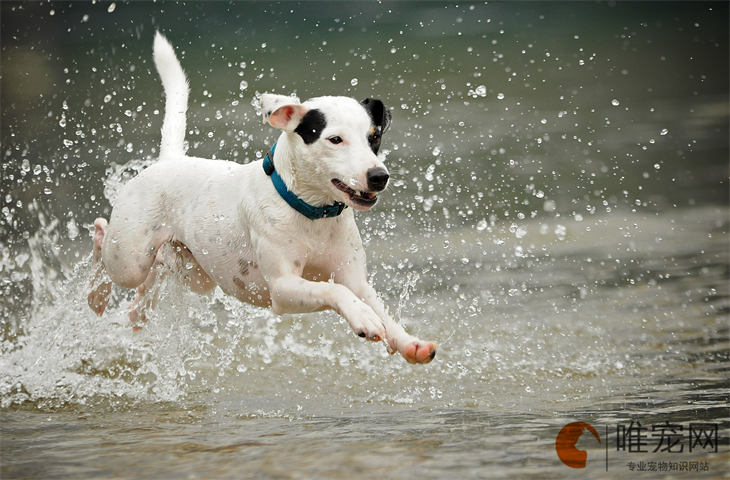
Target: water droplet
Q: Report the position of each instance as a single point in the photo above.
(481, 225)
(73, 229)
(353, 82)
(107, 97)
(112, 6)
(67, 142)
(543, 121)
(500, 96)
(664, 131)
(243, 85)
(37, 170)
(615, 102)
(481, 90)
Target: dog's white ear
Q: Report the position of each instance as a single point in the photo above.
(281, 111)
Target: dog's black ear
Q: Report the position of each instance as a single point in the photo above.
(378, 113)
(380, 117)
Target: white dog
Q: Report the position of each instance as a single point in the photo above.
(275, 232)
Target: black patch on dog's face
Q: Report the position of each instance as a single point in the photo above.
(311, 126)
(381, 121)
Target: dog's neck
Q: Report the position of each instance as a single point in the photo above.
(296, 181)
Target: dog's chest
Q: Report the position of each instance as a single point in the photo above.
(308, 250)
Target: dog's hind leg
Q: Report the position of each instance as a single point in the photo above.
(144, 298)
(187, 268)
(176, 257)
(135, 234)
(101, 288)
(131, 245)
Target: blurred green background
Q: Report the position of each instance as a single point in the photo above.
(501, 109)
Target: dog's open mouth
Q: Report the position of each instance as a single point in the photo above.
(363, 199)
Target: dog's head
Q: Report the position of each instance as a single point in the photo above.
(335, 143)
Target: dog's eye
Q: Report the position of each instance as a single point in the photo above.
(335, 140)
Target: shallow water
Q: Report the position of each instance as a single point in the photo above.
(574, 269)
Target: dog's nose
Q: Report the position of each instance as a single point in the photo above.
(377, 178)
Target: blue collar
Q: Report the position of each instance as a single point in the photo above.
(309, 211)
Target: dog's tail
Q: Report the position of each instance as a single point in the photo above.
(176, 98)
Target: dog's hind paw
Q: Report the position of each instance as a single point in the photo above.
(99, 297)
(137, 318)
(100, 226)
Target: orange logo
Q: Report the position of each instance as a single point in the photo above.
(566, 440)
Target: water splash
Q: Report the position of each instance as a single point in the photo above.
(509, 314)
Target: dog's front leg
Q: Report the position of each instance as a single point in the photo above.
(411, 348)
(293, 294)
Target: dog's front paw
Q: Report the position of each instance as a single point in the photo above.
(415, 351)
(368, 325)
